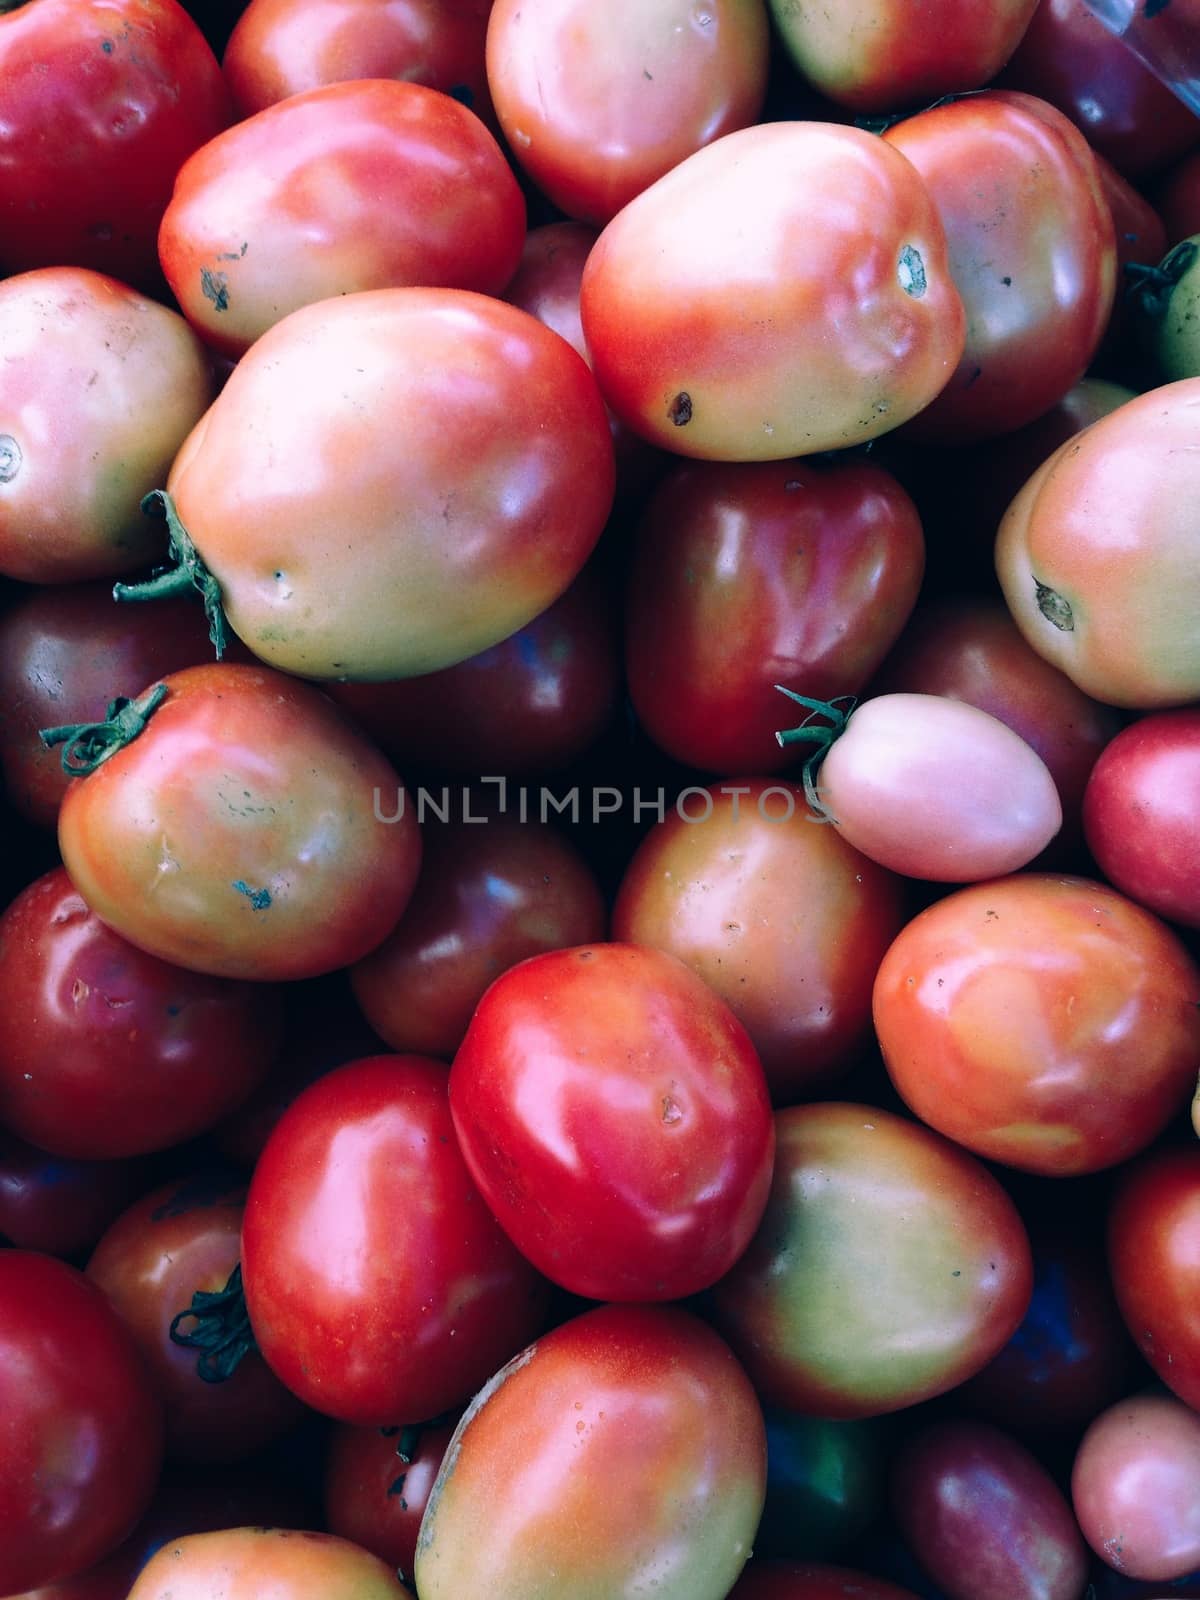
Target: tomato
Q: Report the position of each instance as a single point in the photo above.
(1142, 238)
(106, 1051)
(540, 1493)
(1169, 312)
(889, 1266)
(1141, 813)
(615, 1116)
(597, 104)
(874, 56)
(1032, 253)
(379, 1286)
(247, 1563)
(783, 919)
(825, 1485)
(101, 386)
(1177, 198)
(1044, 1022)
(1097, 554)
(707, 310)
(1154, 1260)
(103, 101)
(811, 1580)
(80, 1423)
(464, 473)
(283, 209)
(377, 1483)
(488, 896)
(748, 575)
(1134, 1487)
(238, 833)
(56, 1206)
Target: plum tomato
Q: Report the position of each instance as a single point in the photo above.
(249, 1563)
(813, 1580)
(377, 1482)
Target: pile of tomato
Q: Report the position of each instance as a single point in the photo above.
(600, 735)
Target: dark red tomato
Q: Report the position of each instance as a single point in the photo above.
(103, 102)
(785, 920)
(240, 831)
(1141, 813)
(282, 47)
(615, 1116)
(489, 895)
(285, 208)
(1032, 253)
(1177, 198)
(984, 1517)
(889, 1267)
(1068, 56)
(59, 1206)
(379, 1285)
(65, 653)
(377, 1484)
(809, 1580)
(623, 1453)
(1045, 1022)
(81, 1429)
(1141, 237)
(750, 575)
(181, 1239)
(1154, 1259)
(530, 704)
(106, 1051)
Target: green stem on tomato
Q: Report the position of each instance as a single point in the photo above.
(186, 570)
(1152, 287)
(820, 735)
(86, 745)
(222, 1334)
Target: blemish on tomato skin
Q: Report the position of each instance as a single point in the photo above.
(680, 409)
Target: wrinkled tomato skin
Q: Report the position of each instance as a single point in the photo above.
(247, 1563)
(889, 1267)
(103, 102)
(80, 1423)
(616, 1118)
(749, 575)
(1141, 814)
(1032, 252)
(783, 919)
(1047, 1023)
(284, 208)
(378, 1284)
(110, 1052)
(377, 1483)
(1154, 1261)
(812, 1580)
(540, 1494)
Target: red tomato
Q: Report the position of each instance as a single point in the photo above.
(1177, 198)
(284, 209)
(1032, 253)
(248, 1563)
(80, 1423)
(379, 1286)
(1044, 1022)
(1141, 813)
(103, 102)
(811, 1580)
(56, 1206)
(622, 1452)
(377, 1483)
(754, 574)
(464, 473)
(615, 1116)
(106, 1051)
(890, 1265)
(708, 312)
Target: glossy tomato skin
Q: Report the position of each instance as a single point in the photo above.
(1141, 813)
(379, 1286)
(377, 1483)
(246, 1563)
(749, 575)
(616, 1118)
(106, 1051)
(1032, 252)
(465, 474)
(1154, 1261)
(101, 387)
(104, 100)
(1097, 554)
(239, 833)
(1048, 1023)
(541, 1498)
(82, 1425)
(890, 1265)
(710, 338)
(783, 919)
(284, 209)
(596, 105)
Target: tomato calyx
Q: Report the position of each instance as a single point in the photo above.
(185, 569)
(222, 1334)
(1152, 287)
(821, 735)
(86, 745)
